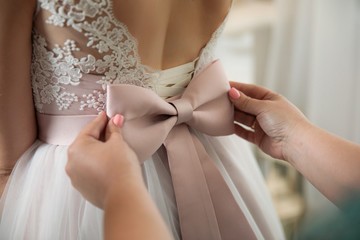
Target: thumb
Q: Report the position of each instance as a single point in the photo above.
(244, 103)
(114, 126)
(96, 127)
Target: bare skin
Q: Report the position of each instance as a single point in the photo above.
(169, 33)
(17, 118)
(329, 162)
(172, 32)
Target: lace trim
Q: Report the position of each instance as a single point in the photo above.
(207, 53)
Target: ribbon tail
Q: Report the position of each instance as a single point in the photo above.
(195, 208)
(231, 219)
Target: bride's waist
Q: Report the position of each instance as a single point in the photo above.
(61, 129)
(61, 126)
(89, 97)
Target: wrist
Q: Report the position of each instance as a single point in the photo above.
(295, 141)
(122, 187)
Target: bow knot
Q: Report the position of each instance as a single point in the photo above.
(184, 110)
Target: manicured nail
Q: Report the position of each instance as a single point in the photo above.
(234, 93)
(118, 120)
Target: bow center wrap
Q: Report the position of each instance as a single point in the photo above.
(184, 110)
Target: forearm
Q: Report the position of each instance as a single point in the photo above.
(18, 131)
(329, 162)
(17, 119)
(130, 213)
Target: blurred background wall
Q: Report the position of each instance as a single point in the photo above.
(308, 51)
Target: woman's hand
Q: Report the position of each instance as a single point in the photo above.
(329, 162)
(274, 120)
(96, 167)
(108, 175)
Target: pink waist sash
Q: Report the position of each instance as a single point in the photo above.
(207, 209)
(61, 130)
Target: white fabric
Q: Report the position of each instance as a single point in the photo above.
(40, 203)
(173, 81)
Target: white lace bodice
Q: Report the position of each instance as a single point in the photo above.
(91, 49)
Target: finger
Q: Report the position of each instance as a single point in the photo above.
(253, 91)
(96, 127)
(244, 103)
(114, 127)
(245, 134)
(244, 118)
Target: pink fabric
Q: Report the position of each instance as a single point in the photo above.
(206, 206)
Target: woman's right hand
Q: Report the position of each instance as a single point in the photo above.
(275, 121)
(98, 167)
(108, 174)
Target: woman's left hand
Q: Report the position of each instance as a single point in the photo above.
(275, 121)
(95, 167)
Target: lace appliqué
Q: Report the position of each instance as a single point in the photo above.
(52, 70)
(94, 100)
(56, 68)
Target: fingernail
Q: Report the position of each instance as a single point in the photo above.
(234, 93)
(118, 120)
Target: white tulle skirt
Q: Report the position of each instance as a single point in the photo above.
(39, 201)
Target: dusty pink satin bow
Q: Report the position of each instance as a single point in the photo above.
(207, 209)
(206, 206)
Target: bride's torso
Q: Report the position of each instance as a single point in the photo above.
(80, 46)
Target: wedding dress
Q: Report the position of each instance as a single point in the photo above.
(70, 73)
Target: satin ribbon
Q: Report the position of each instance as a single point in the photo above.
(206, 207)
